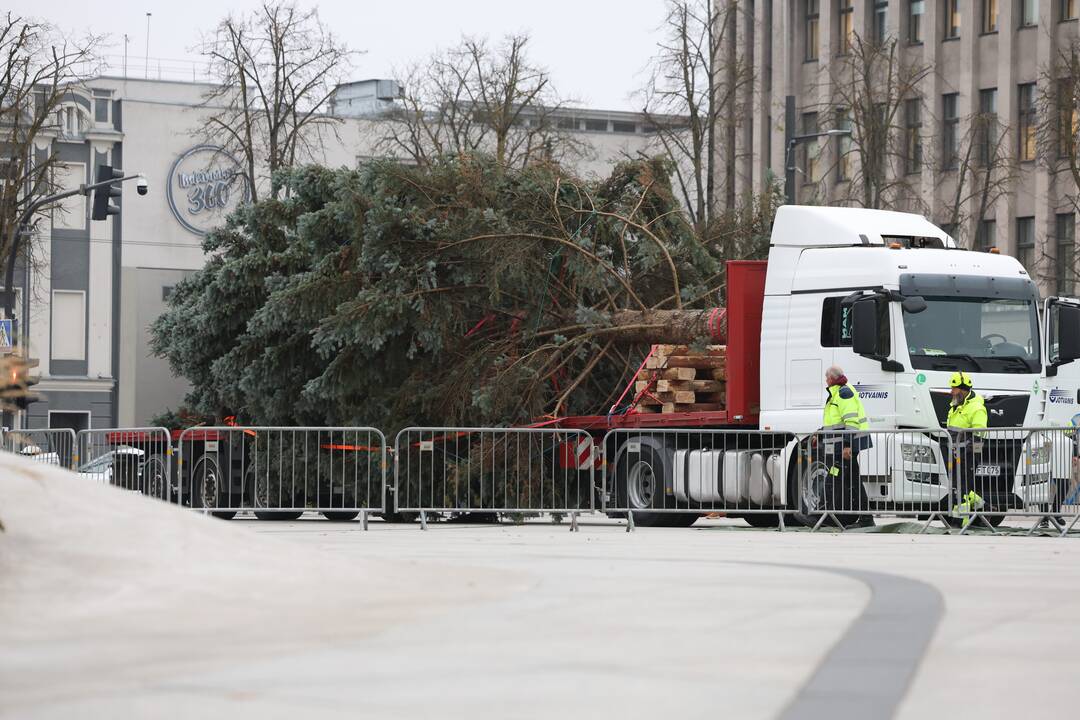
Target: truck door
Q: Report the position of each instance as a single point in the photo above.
(1059, 392)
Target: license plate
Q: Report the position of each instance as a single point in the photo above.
(988, 471)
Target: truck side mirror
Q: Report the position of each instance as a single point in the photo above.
(864, 328)
(1068, 333)
(913, 304)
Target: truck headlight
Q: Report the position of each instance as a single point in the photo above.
(1039, 454)
(917, 453)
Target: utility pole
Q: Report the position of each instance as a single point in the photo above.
(146, 57)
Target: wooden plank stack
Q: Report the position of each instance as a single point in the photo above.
(677, 378)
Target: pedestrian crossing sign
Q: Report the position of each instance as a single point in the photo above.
(7, 335)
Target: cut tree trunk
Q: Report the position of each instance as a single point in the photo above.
(668, 326)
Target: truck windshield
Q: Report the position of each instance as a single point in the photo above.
(974, 334)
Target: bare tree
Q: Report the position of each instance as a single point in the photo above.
(695, 99)
(872, 86)
(40, 70)
(480, 97)
(276, 69)
(983, 169)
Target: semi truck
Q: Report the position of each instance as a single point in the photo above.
(893, 300)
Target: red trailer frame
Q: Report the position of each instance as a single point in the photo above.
(745, 300)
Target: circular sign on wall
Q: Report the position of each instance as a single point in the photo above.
(205, 184)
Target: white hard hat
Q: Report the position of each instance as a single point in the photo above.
(30, 450)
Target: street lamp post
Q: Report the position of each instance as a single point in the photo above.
(789, 157)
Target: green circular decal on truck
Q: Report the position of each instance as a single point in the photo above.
(921, 378)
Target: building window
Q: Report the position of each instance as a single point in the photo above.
(845, 156)
(845, 26)
(567, 124)
(596, 125)
(621, 126)
(987, 126)
(950, 135)
(1068, 117)
(1025, 243)
(1069, 9)
(913, 135)
(914, 27)
(1065, 270)
(990, 16)
(952, 19)
(68, 325)
(1025, 96)
(881, 12)
(811, 149)
(1029, 13)
(812, 18)
(984, 235)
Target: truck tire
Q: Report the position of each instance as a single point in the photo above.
(641, 479)
(259, 482)
(340, 515)
(762, 520)
(155, 474)
(206, 487)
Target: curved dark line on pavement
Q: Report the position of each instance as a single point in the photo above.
(867, 673)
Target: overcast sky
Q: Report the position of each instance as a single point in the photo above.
(596, 50)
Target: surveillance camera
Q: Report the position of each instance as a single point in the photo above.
(142, 185)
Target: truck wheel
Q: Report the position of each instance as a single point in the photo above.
(640, 482)
(762, 520)
(340, 515)
(400, 517)
(260, 484)
(154, 476)
(206, 488)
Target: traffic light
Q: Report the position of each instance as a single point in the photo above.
(103, 195)
(16, 391)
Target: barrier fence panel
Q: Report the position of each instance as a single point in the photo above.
(670, 477)
(281, 472)
(52, 446)
(1019, 472)
(137, 459)
(847, 477)
(447, 469)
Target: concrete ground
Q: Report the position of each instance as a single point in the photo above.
(115, 606)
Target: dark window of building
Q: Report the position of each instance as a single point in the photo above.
(990, 16)
(101, 110)
(845, 155)
(913, 135)
(845, 23)
(916, 8)
(596, 125)
(1070, 9)
(881, 12)
(567, 124)
(620, 126)
(984, 235)
(1065, 233)
(1068, 123)
(166, 292)
(950, 135)
(1029, 13)
(812, 18)
(1025, 243)
(952, 19)
(1025, 100)
(987, 125)
(811, 149)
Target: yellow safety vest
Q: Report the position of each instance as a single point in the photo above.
(844, 409)
(970, 414)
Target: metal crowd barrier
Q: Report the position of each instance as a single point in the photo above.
(670, 477)
(138, 459)
(1029, 473)
(845, 478)
(51, 446)
(494, 470)
(278, 473)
